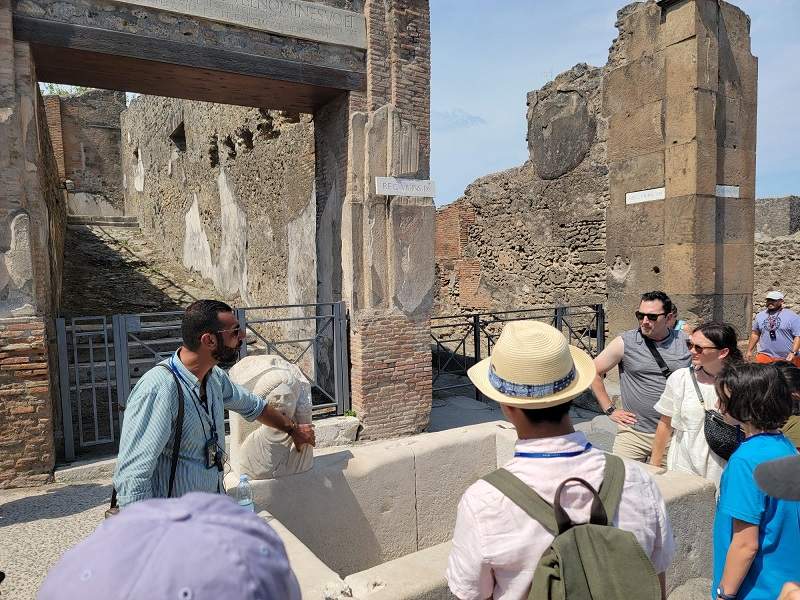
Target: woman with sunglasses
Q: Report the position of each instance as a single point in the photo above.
(712, 345)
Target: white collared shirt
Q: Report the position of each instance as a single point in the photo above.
(496, 545)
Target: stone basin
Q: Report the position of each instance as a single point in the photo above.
(374, 521)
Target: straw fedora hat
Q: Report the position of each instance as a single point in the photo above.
(533, 366)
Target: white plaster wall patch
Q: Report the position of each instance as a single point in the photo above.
(138, 176)
(196, 249)
(232, 264)
(645, 195)
(727, 191)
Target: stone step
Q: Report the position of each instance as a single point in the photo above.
(109, 221)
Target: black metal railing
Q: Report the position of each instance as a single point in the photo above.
(460, 341)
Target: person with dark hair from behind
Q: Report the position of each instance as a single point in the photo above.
(791, 429)
(642, 378)
(212, 337)
(756, 536)
(688, 394)
(533, 373)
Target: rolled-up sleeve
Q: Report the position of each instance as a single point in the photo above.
(147, 425)
(240, 400)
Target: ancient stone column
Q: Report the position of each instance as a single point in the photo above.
(680, 98)
(26, 292)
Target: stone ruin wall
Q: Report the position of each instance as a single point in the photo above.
(85, 130)
(228, 191)
(777, 250)
(534, 235)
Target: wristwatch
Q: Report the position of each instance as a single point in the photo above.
(723, 596)
(610, 410)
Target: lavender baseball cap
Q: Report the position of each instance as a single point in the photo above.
(196, 547)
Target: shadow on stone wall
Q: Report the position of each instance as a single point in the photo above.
(117, 270)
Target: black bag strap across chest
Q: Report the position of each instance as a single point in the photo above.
(651, 345)
(176, 445)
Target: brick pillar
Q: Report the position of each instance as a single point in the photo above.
(27, 454)
(681, 107)
(52, 107)
(26, 427)
(387, 242)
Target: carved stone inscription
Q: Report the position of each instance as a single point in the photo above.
(294, 18)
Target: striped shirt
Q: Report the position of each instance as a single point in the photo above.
(145, 449)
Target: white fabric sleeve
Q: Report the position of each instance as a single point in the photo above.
(672, 394)
(469, 575)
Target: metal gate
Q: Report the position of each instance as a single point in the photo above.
(460, 341)
(102, 358)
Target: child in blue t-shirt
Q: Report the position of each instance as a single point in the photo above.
(756, 537)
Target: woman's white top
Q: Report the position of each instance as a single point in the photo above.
(689, 451)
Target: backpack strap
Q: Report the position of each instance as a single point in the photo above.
(176, 446)
(611, 488)
(525, 497)
(542, 511)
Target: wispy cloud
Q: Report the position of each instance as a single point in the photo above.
(450, 120)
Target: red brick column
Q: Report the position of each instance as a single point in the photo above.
(391, 375)
(27, 455)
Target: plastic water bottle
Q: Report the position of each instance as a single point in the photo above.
(244, 494)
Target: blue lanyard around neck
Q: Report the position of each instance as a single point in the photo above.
(569, 454)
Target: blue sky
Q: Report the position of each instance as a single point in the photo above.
(487, 54)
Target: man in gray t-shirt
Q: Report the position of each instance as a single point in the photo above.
(641, 379)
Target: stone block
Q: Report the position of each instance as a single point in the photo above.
(353, 255)
(412, 225)
(635, 132)
(738, 74)
(634, 174)
(634, 269)
(685, 20)
(690, 220)
(620, 311)
(447, 463)
(737, 166)
(355, 509)
(690, 504)
(736, 123)
(708, 220)
(736, 309)
(690, 117)
(634, 84)
(735, 263)
(418, 576)
(734, 26)
(690, 66)
(314, 576)
(641, 28)
(336, 431)
(690, 268)
(637, 225)
(375, 254)
(690, 169)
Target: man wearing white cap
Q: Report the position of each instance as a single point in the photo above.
(534, 374)
(776, 330)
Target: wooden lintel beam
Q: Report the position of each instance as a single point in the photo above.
(115, 43)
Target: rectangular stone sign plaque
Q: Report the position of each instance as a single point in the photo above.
(292, 18)
(645, 195)
(727, 191)
(412, 188)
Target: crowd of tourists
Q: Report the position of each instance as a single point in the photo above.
(562, 519)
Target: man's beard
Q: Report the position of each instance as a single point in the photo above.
(226, 357)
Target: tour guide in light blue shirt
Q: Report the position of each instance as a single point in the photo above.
(211, 339)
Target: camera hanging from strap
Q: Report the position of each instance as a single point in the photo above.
(176, 446)
(651, 345)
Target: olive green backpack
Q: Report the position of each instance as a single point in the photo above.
(589, 561)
